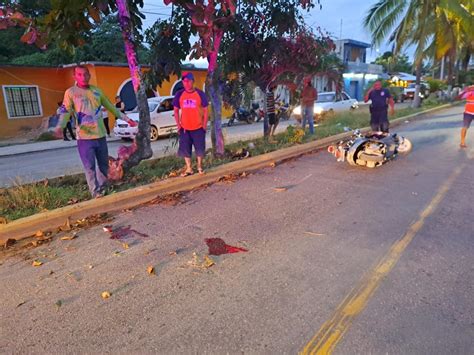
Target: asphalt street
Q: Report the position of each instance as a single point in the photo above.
(340, 258)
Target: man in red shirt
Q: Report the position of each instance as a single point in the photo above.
(308, 96)
(191, 114)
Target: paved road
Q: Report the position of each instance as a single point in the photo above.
(36, 166)
(360, 261)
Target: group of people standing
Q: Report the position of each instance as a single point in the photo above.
(85, 105)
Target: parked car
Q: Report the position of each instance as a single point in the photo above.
(409, 91)
(161, 119)
(329, 103)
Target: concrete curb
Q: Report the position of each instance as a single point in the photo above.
(28, 226)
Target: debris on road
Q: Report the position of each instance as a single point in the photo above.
(37, 263)
(106, 295)
(69, 237)
(218, 247)
(314, 234)
(150, 270)
(201, 263)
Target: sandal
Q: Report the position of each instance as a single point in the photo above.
(187, 173)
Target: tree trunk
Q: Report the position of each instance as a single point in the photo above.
(417, 98)
(217, 137)
(214, 89)
(142, 140)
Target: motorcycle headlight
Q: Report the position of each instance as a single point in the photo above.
(297, 110)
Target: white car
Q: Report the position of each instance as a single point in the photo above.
(161, 120)
(329, 103)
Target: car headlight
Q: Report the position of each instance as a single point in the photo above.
(318, 110)
(297, 110)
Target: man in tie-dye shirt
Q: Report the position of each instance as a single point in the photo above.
(83, 102)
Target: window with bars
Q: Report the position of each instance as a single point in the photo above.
(22, 101)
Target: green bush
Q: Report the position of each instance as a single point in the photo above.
(435, 84)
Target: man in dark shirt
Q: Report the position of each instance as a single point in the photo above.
(271, 112)
(381, 99)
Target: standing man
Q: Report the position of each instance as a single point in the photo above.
(119, 104)
(83, 103)
(271, 112)
(308, 96)
(468, 113)
(381, 99)
(191, 114)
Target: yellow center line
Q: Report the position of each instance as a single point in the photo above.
(355, 302)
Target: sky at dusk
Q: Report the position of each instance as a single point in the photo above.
(351, 12)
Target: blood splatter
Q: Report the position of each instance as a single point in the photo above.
(218, 247)
(124, 233)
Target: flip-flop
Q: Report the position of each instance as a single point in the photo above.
(187, 173)
(462, 146)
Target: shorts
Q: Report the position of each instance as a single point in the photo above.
(188, 139)
(468, 117)
(272, 120)
(379, 121)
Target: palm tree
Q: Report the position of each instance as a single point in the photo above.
(433, 27)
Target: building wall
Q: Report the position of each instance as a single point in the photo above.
(51, 82)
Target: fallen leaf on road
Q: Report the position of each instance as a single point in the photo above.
(69, 237)
(3, 220)
(105, 295)
(39, 234)
(66, 226)
(314, 234)
(20, 304)
(50, 272)
(204, 263)
(117, 253)
(125, 245)
(280, 189)
(228, 179)
(150, 270)
(37, 263)
(58, 303)
(91, 266)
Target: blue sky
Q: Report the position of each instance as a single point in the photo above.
(351, 12)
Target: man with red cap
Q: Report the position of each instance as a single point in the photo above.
(191, 114)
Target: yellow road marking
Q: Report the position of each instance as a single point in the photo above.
(354, 303)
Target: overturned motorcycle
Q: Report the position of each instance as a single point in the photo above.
(370, 150)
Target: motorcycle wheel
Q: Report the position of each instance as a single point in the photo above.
(230, 123)
(405, 146)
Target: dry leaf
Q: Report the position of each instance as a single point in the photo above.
(150, 270)
(208, 262)
(3, 220)
(39, 234)
(20, 304)
(37, 263)
(69, 237)
(58, 303)
(273, 164)
(280, 189)
(105, 295)
(117, 253)
(125, 245)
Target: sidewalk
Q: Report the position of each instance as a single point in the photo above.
(24, 148)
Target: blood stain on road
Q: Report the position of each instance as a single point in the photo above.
(218, 247)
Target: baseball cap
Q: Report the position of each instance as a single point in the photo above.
(187, 75)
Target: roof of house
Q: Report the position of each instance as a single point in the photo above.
(354, 43)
